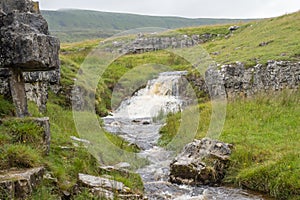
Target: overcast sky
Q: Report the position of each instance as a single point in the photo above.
(183, 8)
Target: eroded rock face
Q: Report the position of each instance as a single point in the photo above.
(25, 46)
(19, 184)
(202, 162)
(239, 81)
(37, 85)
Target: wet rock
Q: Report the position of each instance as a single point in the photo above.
(146, 122)
(164, 190)
(202, 162)
(106, 188)
(19, 184)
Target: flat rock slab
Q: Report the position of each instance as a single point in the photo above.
(19, 184)
(103, 187)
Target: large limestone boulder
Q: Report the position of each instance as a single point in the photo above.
(25, 40)
(25, 46)
(202, 162)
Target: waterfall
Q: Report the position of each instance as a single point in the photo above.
(133, 122)
(160, 95)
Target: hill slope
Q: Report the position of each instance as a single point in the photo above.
(259, 41)
(72, 25)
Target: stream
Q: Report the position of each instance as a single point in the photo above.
(133, 121)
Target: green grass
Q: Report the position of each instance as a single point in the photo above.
(19, 156)
(20, 141)
(66, 164)
(211, 29)
(19, 149)
(265, 133)
(243, 45)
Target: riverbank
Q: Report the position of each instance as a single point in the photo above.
(265, 133)
(67, 158)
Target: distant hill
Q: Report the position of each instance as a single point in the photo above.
(75, 25)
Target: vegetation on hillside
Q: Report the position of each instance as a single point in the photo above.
(259, 41)
(76, 25)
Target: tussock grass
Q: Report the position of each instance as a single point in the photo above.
(19, 156)
(265, 133)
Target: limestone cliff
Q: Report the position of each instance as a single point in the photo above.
(239, 81)
(25, 46)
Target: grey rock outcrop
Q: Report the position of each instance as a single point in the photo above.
(26, 46)
(244, 82)
(202, 162)
(153, 43)
(19, 184)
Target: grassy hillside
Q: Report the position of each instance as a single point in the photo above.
(259, 41)
(76, 25)
(264, 130)
(241, 45)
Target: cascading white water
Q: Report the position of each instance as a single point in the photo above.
(160, 95)
(133, 121)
